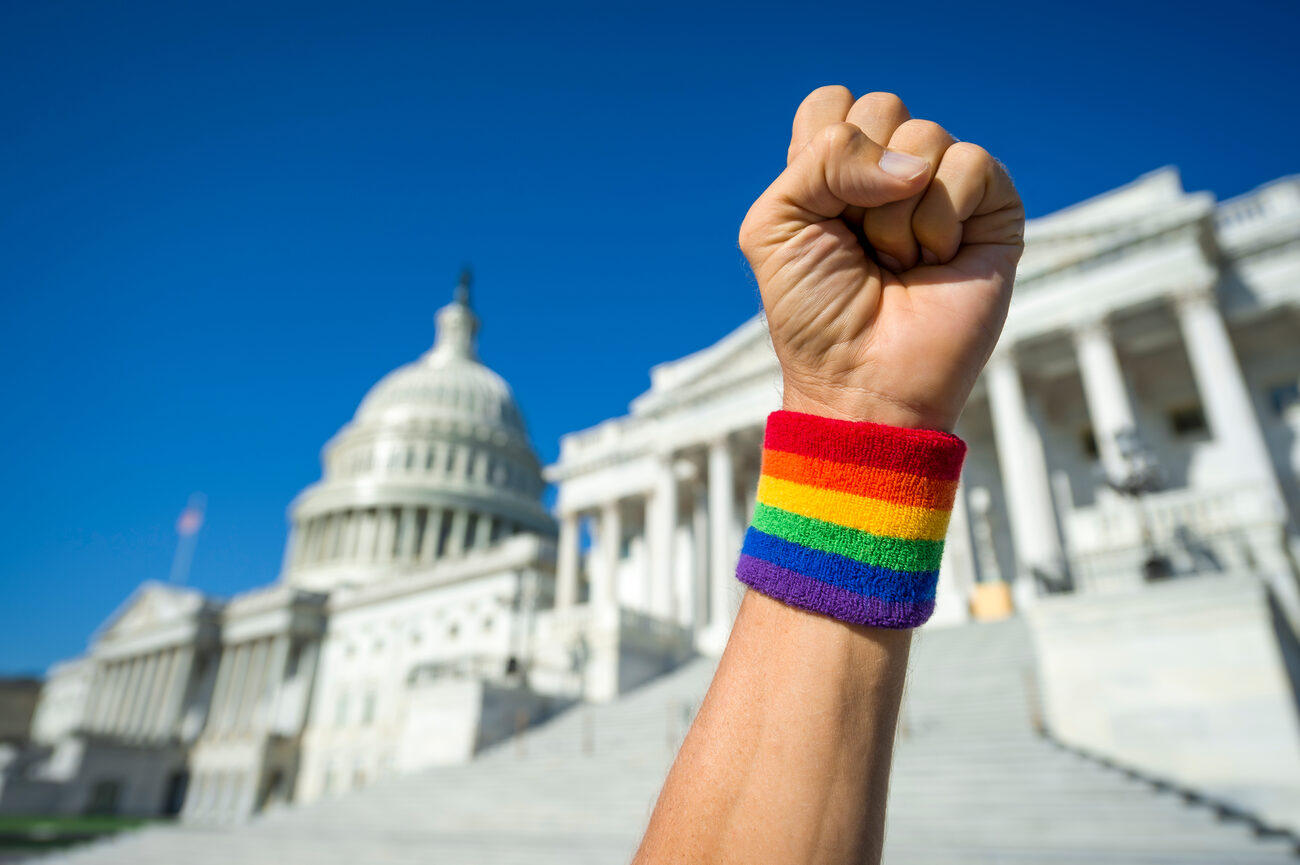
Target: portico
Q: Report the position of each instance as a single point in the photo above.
(1120, 365)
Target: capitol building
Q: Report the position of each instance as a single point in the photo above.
(1130, 493)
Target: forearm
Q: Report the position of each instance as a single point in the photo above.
(788, 760)
(885, 254)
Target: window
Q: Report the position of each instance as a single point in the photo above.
(1187, 421)
(1088, 443)
(341, 710)
(428, 459)
(410, 458)
(368, 708)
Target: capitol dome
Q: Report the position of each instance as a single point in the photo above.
(435, 464)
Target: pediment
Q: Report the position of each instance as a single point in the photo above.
(744, 353)
(148, 607)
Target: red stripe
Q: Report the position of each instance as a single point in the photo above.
(926, 453)
(899, 488)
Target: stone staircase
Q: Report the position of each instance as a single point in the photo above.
(973, 783)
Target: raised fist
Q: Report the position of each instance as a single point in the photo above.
(885, 254)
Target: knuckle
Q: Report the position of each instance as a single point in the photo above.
(970, 155)
(920, 131)
(829, 93)
(884, 101)
(839, 136)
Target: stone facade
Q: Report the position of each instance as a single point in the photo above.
(1152, 347)
(399, 634)
(1139, 423)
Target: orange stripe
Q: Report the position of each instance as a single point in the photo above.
(877, 483)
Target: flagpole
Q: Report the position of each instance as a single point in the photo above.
(187, 532)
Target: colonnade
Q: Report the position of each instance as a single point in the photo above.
(1037, 534)
(701, 480)
(141, 696)
(1224, 394)
(250, 676)
(393, 535)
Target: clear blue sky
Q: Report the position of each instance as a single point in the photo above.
(218, 227)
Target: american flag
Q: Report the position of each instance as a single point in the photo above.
(190, 520)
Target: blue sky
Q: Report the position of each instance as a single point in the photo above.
(219, 226)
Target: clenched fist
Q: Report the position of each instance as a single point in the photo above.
(885, 254)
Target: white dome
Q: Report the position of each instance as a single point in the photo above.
(437, 446)
(455, 390)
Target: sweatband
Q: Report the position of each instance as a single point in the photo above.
(850, 518)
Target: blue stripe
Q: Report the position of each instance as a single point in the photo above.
(836, 570)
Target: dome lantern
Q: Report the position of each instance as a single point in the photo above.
(457, 327)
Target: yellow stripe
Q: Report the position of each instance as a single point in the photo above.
(857, 512)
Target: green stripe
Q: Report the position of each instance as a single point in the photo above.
(897, 554)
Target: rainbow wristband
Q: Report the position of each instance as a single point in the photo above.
(850, 518)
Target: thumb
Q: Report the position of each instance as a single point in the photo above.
(840, 167)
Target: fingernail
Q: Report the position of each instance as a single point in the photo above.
(889, 262)
(904, 166)
(929, 257)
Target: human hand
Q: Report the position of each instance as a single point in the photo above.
(885, 273)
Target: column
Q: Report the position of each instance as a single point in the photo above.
(366, 536)
(177, 685)
(604, 585)
(407, 552)
(432, 529)
(100, 705)
(456, 541)
(483, 531)
(1024, 476)
(95, 696)
(722, 546)
(663, 527)
(1229, 409)
(116, 693)
(387, 531)
(566, 562)
(254, 681)
(351, 536)
(700, 563)
(156, 721)
(1110, 406)
(328, 536)
(1230, 413)
(225, 661)
(130, 686)
(229, 708)
(138, 723)
(274, 683)
(957, 569)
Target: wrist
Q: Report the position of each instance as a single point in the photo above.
(857, 405)
(850, 518)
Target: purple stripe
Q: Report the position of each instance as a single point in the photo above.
(810, 593)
